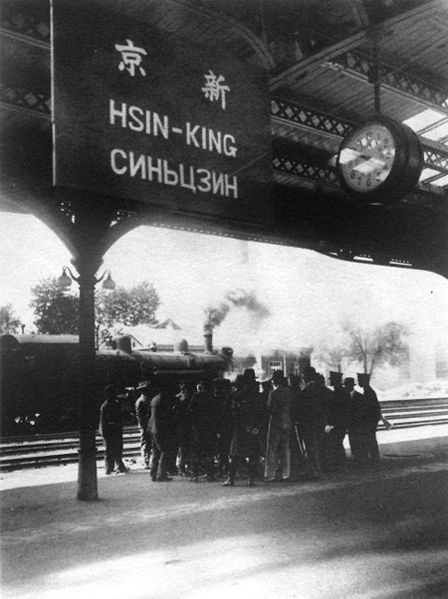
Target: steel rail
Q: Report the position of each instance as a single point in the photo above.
(62, 448)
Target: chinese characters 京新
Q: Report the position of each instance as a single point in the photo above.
(214, 90)
(131, 57)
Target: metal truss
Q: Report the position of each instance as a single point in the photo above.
(305, 117)
(436, 159)
(327, 175)
(390, 77)
(38, 103)
(299, 116)
(301, 168)
(21, 99)
(32, 28)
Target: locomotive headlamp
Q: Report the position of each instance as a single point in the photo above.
(65, 280)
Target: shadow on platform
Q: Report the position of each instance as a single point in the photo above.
(352, 533)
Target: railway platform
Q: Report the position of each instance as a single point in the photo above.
(374, 533)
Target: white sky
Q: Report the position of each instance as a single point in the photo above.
(306, 293)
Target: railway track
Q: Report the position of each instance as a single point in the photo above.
(409, 413)
(58, 449)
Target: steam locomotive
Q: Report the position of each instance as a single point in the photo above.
(39, 376)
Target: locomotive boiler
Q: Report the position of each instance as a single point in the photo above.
(39, 375)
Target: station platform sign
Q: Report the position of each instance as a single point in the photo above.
(157, 119)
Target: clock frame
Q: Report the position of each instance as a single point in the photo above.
(381, 151)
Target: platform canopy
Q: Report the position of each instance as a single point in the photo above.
(224, 116)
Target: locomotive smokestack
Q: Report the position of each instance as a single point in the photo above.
(208, 338)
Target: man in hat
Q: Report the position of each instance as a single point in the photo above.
(203, 432)
(160, 425)
(182, 420)
(280, 403)
(235, 388)
(142, 412)
(355, 425)
(311, 420)
(338, 421)
(323, 437)
(111, 428)
(221, 395)
(371, 415)
(266, 388)
(247, 420)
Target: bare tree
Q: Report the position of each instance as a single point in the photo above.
(333, 357)
(384, 345)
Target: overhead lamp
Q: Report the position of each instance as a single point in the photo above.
(108, 282)
(65, 280)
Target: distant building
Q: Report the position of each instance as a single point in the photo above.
(264, 364)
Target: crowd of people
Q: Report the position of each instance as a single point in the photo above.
(222, 429)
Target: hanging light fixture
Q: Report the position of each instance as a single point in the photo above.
(108, 282)
(66, 278)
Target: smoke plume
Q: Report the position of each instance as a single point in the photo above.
(239, 298)
(215, 316)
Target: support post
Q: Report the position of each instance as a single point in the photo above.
(88, 417)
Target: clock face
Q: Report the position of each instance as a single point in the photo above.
(367, 157)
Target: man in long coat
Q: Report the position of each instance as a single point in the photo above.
(247, 412)
(160, 426)
(338, 420)
(222, 403)
(203, 432)
(312, 416)
(371, 415)
(280, 404)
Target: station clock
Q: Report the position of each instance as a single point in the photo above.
(379, 160)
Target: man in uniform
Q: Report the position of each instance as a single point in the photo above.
(111, 428)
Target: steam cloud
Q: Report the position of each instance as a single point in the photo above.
(215, 316)
(237, 299)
